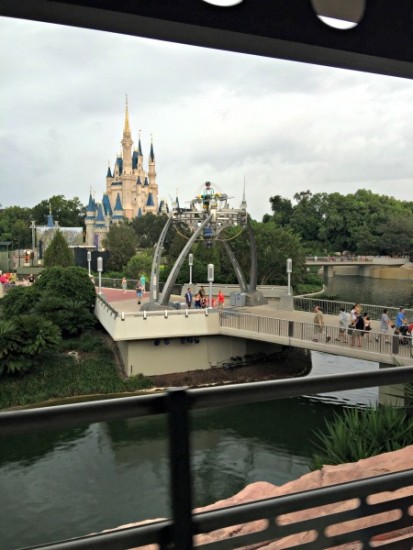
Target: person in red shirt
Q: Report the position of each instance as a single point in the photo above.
(221, 299)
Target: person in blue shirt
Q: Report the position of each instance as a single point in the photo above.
(401, 319)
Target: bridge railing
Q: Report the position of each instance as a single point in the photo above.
(333, 308)
(325, 528)
(389, 345)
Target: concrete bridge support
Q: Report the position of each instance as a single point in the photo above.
(395, 395)
(328, 271)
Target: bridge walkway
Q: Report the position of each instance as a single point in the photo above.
(267, 323)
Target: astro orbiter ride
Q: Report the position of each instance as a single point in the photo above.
(206, 218)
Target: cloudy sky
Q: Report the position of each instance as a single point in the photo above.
(284, 127)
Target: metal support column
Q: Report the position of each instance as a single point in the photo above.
(177, 405)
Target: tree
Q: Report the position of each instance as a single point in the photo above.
(15, 226)
(58, 252)
(282, 210)
(68, 212)
(148, 229)
(138, 264)
(121, 241)
(274, 246)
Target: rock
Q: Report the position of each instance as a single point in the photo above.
(328, 475)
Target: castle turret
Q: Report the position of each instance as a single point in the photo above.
(90, 220)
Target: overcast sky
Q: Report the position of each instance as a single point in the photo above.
(284, 127)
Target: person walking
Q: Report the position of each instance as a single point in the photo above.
(343, 321)
(367, 325)
(142, 281)
(400, 320)
(221, 299)
(188, 298)
(139, 291)
(358, 332)
(319, 325)
(124, 284)
(385, 324)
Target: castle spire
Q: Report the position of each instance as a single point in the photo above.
(243, 205)
(126, 129)
(151, 154)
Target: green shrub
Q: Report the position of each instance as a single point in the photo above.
(361, 433)
(24, 341)
(72, 316)
(68, 282)
(59, 375)
(19, 300)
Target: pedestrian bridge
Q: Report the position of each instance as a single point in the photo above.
(219, 335)
(363, 264)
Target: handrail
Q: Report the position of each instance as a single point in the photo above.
(331, 307)
(177, 404)
(289, 332)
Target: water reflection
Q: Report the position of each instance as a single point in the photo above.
(385, 292)
(82, 481)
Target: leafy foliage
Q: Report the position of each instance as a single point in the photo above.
(60, 376)
(138, 264)
(58, 252)
(148, 229)
(72, 316)
(69, 283)
(15, 226)
(358, 434)
(121, 241)
(23, 341)
(33, 318)
(68, 212)
(19, 301)
(361, 223)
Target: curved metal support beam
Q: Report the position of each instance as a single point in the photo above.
(156, 262)
(237, 268)
(166, 294)
(253, 250)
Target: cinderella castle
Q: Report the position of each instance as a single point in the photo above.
(130, 191)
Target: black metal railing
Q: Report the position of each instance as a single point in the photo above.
(323, 529)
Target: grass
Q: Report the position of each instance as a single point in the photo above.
(61, 376)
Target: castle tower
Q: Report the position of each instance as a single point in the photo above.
(130, 191)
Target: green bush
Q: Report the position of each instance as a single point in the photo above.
(67, 282)
(72, 316)
(361, 433)
(24, 341)
(59, 375)
(19, 300)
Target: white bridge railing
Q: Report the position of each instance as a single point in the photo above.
(392, 349)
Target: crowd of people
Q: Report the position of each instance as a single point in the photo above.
(201, 300)
(356, 325)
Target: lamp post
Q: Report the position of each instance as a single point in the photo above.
(89, 259)
(289, 270)
(100, 269)
(191, 263)
(210, 280)
(33, 228)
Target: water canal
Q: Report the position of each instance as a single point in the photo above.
(56, 485)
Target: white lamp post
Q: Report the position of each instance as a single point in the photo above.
(289, 270)
(33, 228)
(191, 263)
(210, 280)
(89, 259)
(100, 269)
